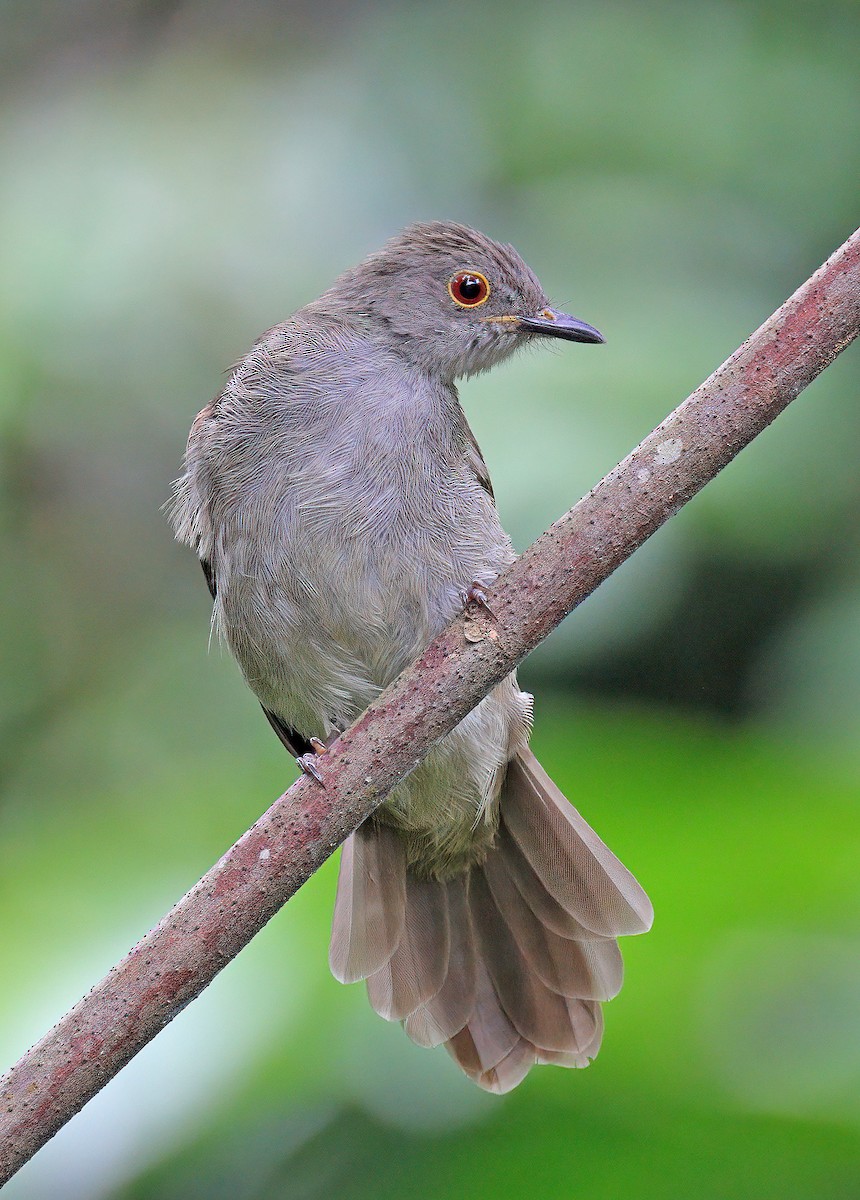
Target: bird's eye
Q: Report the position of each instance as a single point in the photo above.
(468, 289)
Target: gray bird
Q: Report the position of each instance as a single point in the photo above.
(342, 512)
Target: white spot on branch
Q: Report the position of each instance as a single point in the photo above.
(668, 452)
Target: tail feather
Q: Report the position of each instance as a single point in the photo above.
(416, 970)
(507, 962)
(546, 908)
(568, 857)
(370, 906)
(513, 1068)
(559, 1059)
(446, 1013)
(586, 969)
(539, 1015)
(489, 1037)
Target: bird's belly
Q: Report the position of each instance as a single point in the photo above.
(329, 608)
(335, 600)
(447, 809)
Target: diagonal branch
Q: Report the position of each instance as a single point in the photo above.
(232, 902)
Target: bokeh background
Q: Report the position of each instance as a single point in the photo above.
(175, 177)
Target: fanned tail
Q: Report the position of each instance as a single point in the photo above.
(506, 964)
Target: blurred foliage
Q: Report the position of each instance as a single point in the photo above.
(177, 176)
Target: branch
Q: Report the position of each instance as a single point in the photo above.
(233, 901)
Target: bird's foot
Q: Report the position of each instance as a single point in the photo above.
(477, 595)
(308, 764)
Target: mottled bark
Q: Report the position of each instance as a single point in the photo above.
(212, 923)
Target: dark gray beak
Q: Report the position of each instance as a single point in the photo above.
(552, 323)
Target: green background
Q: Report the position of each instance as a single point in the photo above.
(174, 178)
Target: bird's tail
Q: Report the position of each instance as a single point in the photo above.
(507, 963)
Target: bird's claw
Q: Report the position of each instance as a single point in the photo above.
(477, 595)
(308, 764)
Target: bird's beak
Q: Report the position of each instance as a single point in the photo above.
(552, 323)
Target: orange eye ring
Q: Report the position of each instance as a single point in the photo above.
(469, 289)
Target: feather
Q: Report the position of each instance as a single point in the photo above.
(512, 1070)
(489, 1036)
(291, 738)
(544, 906)
(568, 857)
(417, 968)
(504, 963)
(544, 1018)
(370, 905)
(448, 1011)
(580, 1059)
(589, 969)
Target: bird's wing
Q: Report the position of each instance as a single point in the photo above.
(291, 738)
(209, 571)
(475, 459)
(192, 523)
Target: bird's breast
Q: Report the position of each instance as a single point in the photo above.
(352, 525)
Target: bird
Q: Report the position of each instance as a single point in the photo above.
(343, 515)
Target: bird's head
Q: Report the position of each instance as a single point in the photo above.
(454, 301)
